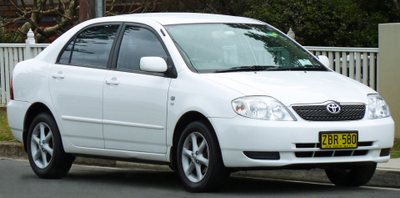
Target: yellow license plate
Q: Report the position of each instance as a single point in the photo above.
(334, 140)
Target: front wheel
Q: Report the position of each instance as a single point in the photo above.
(351, 176)
(45, 151)
(199, 161)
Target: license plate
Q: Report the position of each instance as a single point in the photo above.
(334, 140)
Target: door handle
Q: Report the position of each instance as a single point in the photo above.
(59, 75)
(113, 81)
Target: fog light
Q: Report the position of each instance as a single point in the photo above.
(262, 155)
(385, 152)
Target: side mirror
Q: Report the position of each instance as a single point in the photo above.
(324, 60)
(153, 64)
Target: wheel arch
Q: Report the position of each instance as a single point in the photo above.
(183, 121)
(31, 113)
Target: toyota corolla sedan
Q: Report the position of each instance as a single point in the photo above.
(206, 94)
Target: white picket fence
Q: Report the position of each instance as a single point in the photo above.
(357, 63)
(360, 64)
(10, 55)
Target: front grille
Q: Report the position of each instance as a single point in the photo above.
(304, 154)
(320, 113)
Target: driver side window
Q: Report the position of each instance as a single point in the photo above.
(138, 42)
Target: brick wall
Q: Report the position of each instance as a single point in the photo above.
(7, 9)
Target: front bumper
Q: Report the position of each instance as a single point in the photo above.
(241, 134)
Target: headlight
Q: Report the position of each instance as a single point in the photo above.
(377, 107)
(261, 107)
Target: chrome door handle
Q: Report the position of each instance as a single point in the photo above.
(113, 81)
(58, 75)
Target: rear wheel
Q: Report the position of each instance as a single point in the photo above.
(351, 176)
(45, 151)
(199, 162)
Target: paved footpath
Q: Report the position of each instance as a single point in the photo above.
(386, 175)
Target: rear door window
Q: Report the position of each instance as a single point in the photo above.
(91, 47)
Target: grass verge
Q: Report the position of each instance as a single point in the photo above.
(5, 131)
(395, 152)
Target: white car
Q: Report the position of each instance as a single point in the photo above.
(206, 94)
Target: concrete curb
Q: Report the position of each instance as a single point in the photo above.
(17, 151)
(382, 177)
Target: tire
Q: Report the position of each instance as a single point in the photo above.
(351, 176)
(45, 151)
(200, 165)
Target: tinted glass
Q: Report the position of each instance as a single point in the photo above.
(92, 46)
(138, 42)
(64, 59)
(235, 47)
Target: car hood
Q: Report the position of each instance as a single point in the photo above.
(292, 87)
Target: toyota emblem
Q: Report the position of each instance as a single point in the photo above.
(333, 108)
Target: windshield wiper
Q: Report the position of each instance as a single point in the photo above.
(248, 68)
(298, 69)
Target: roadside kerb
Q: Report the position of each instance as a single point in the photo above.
(384, 177)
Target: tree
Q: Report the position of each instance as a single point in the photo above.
(117, 7)
(66, 10)
(230, 7)
(315, 22)
(397, 2)
(327, 22)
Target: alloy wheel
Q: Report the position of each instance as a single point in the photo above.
(195, 157)
(42, 145)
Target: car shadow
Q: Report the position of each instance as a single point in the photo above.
(169, 181)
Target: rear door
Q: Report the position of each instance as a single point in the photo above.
(76, 84)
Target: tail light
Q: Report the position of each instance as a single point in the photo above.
(11, 90)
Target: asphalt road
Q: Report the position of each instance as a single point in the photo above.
(18, 180)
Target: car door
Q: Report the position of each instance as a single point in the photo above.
(76, 84)
(135, 102)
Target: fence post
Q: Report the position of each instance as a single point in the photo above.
(291, 34)
(389, 70)
(28, 49)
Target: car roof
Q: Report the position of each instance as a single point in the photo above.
(167, 18)
(162, 18)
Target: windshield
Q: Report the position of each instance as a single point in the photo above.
(239, 47)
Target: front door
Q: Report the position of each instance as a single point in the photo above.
(135, 102)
